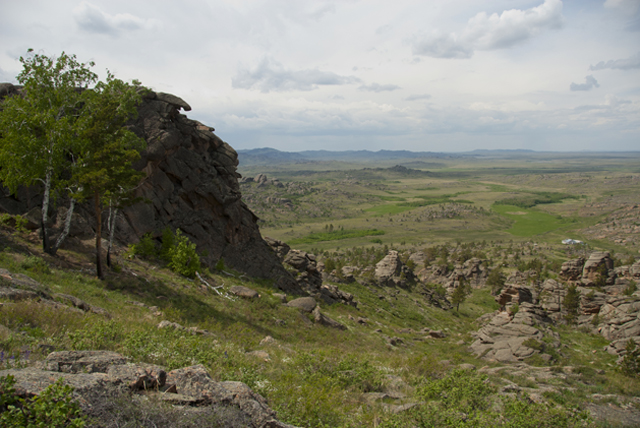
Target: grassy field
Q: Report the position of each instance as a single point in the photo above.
(456, 199)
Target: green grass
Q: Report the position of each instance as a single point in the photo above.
(336, 235)
(529, 222)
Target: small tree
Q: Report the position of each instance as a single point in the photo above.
(571, 303)
(184, 258)
(104, 169)
(39, 129)
(460, 294)
(630, 364)
(496, 280)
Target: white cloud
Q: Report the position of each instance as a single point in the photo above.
(590, 82)
(619, 64)
(270, 75)
(489, 32)
(92, 19)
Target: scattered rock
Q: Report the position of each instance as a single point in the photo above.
(244, 292)
(306, 304)
(322, 319)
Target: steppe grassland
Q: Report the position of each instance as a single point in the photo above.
(400, 204)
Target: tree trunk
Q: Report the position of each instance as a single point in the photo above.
(96, 201)
(45, 211)
(67, 227)
(113, 212)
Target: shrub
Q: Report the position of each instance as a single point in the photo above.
(630, 364)
(168, 244)
(184, 258)
(146, 248)
(35, 264)
(631, 288)
(571, 303)
(496, 281)
(53, 408)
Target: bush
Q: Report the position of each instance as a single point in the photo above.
(571, 303)
(53, 408)
(631, 288)
(146, 248)
(630, 364)
(35, 264)
(184, 258)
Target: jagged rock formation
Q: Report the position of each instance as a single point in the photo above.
(506, 336)
(304, 267)
(390, 271)
(473, 271)
(97, 376)
(191, 183)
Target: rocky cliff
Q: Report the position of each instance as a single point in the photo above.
(191, 183)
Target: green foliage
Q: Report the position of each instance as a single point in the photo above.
(464, 399)
(184, 258)
(35, 264)
(631, 288)
(630, 364)
(535, 198)
(39, 128)
(168, 244)
(146, 247)
(460, 294)
(176, 250)
(571, 303)
(514, 309)
(54, 407)
(496, 280)
(220, 265)
(17, 222)
(335, 235)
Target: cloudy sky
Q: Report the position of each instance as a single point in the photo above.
(437, 75)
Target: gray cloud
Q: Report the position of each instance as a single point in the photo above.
(270, 75)
(590, 82)
(443, 46)
(489, 32)
(92, 19)
(619, 64)
(376, 87)
(417, 97)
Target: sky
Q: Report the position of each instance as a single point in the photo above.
(295, 75)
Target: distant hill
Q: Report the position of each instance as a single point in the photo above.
(269, 156)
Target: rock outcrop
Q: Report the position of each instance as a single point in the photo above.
(191, 183)
(511, 338)
(304, 267)
(390, 271)
(97, 376)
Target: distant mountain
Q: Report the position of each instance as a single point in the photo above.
(269, 156)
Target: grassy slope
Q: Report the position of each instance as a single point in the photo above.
(314, 376)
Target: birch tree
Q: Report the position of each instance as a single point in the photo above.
(38, 129)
